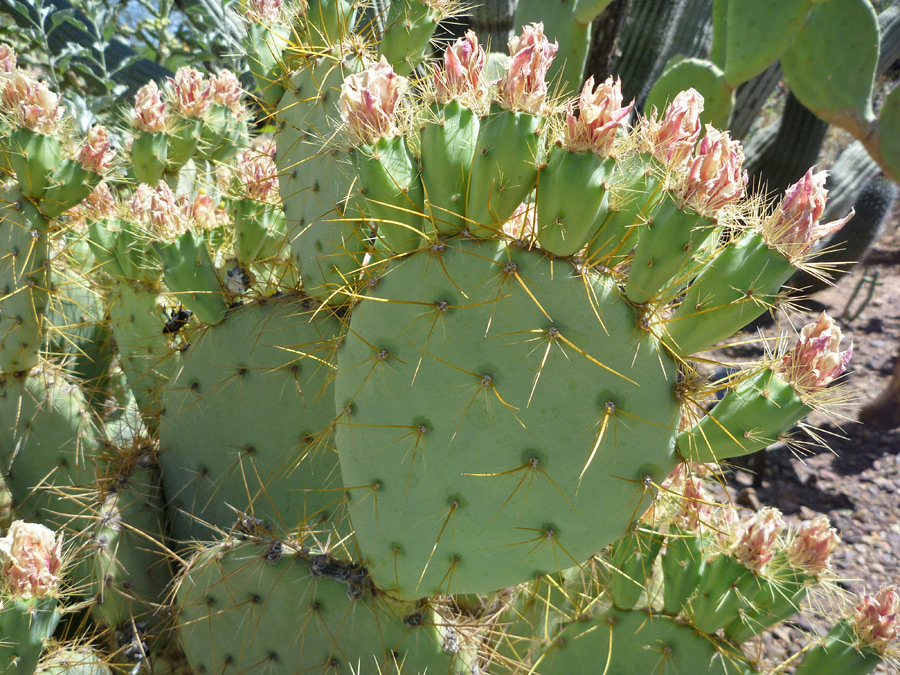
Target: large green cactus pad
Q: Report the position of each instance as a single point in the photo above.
(48, 449)
(248, 422)
(831, 65)
(501, 415)
(258, 607)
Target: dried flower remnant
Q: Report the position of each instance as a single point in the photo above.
(755, 538)
(31, 558)
(149, 109)
(672, 139)
(600, 115)
(715, 176)
(876, 618)
(813, 545)
(794, 226)
(524, 86)
(369, 103)
(461, 79)
(226, 90)
(816, 359)
(191, 93)
(96, 154)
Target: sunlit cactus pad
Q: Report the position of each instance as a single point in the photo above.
(224, 452)
(262, 607)
(501, 415)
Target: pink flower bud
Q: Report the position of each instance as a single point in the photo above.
(755, 538)
(32, 104)
(265, 11)
(369, 101)
(100, 204)
(794, 227)
(31, 556)
(876, 619)
(600, 114)
(157, 208)
(715, 175)
(672, 140)
(813, 545)
(200, 212)
(815, 360)
(191, 93)
(258, 176)
(524, 86)
(226, 90)
(149, 109)
(96, 154)
(7, 59)
(463, 66)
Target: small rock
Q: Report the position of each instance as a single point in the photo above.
(788, 502)
(875, 324)
(748, 497)
(806, 513)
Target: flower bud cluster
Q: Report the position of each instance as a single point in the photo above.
(31, 559)
(226, 90)
(265, 11)
(524, 86)
(100, 204)
(461, 79)
(877, 618)
(715, 174)
(190, 93)
(813, 544)
(149, 109)
(671, 140)
(816, 359)
(257, 176)
(29, 102)
(369, 103)
(96, 154)
(755, 538)
(794, 228)
(167, 216)
(600, 116)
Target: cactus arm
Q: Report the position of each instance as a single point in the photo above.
(830, 75)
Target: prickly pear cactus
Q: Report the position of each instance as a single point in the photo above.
(415, 385)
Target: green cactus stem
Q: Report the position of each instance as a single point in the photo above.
(507, 155)
(25, 282)
(391, 192)
(664, 250)
(190, 275)
(566, 225)
(735, 288)
(33, 157)
(407, 32)
(448, 150)
(149, 156)
(25, 625)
